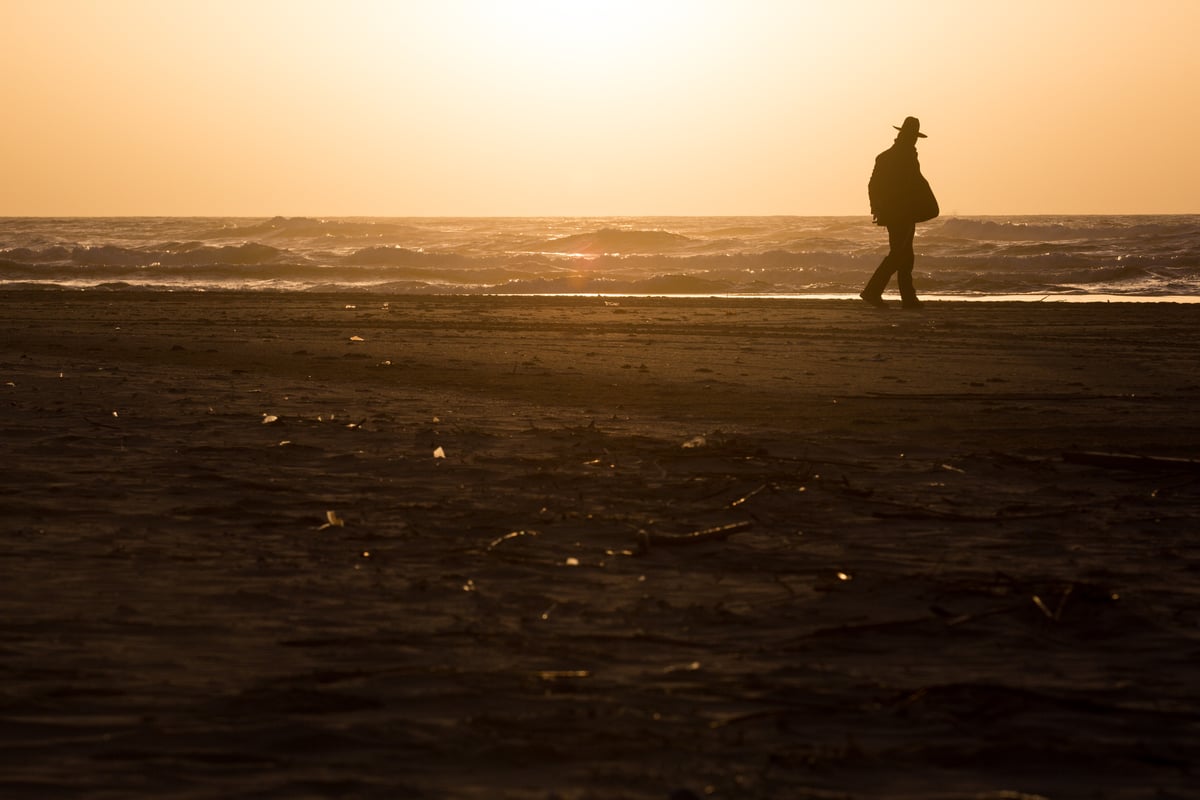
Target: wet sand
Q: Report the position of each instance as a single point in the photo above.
(355, 546)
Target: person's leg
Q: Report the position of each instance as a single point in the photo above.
(900, 237)
(873, 291)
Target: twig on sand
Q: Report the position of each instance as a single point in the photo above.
(1062, 602)
(1056, 614)
(746, 497)
(1041, 606)
(1130, 461)
(509, 537)
(721, 532)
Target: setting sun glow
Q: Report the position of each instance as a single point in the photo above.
(567, 107)
(617, 36)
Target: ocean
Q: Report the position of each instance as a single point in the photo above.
(1032, 257)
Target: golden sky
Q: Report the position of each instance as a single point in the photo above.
(592, 107)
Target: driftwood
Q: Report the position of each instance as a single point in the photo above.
(645, 538)
(1131, 461)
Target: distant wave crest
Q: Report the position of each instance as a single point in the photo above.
(1074, 229)
(612, 240)
(171, 254)
(404, 256)
(308, 227)
(761, 255)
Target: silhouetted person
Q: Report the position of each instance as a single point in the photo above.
(900, 198)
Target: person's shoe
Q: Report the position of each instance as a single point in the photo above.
(873, 299)
(912, 305)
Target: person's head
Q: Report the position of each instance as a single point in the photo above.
(910, 131)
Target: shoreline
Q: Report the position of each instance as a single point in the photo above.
(741, 547)
(379, 293)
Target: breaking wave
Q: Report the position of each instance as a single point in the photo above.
(1147, 256)
(611, 240)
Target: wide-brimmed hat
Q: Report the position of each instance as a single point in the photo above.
(911, 125)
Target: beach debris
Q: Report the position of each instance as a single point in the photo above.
(1074, 591)
(1041, 605)
(357, 338)
(267, 419)
(559, 674)
(332, 520)
(622, 552)
(691, 666)
(719, 533)
(470, 586)
(844, 576)
(350, 306)
(571, 562)
(508, 537)
(695, 441)
(1056, 614)
(741, 500)
(438, 452)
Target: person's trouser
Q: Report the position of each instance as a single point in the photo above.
(898, 262)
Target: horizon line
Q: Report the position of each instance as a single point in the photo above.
(591, 216)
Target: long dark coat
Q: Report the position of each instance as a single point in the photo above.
(899, 192)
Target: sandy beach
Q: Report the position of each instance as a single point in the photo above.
(313, 545)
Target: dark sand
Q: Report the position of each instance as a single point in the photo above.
(922, 597)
